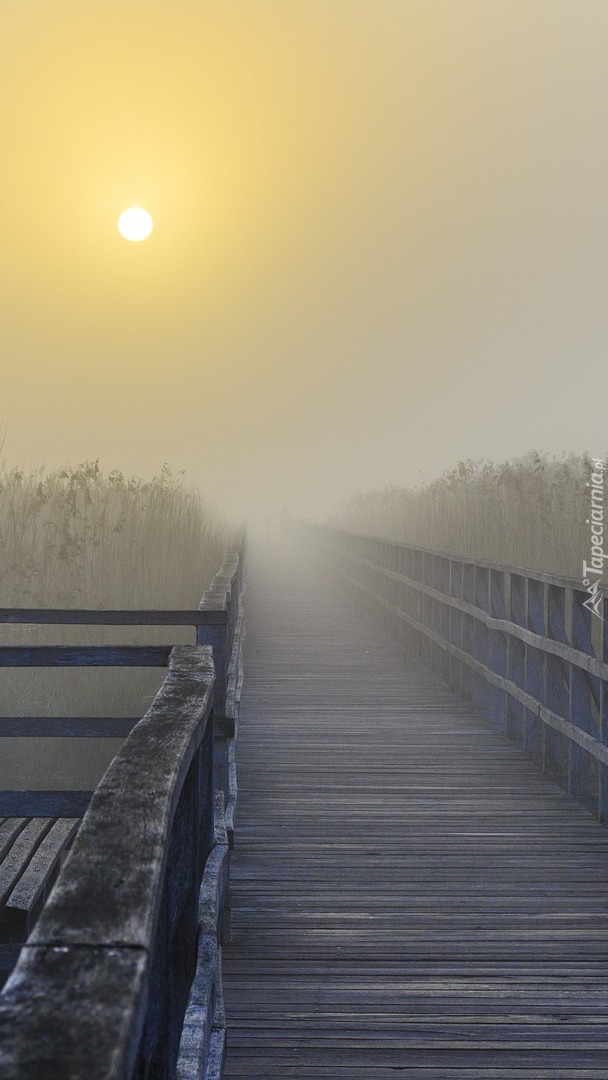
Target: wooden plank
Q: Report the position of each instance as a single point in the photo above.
(116, 617)
(9, 830)
(241, 1065)
(46, 1032)
(23, 905)
(45, 803)
(84, 655)
(20, 853)
(60, 727)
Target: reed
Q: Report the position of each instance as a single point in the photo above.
(529, 511)
(78, 538)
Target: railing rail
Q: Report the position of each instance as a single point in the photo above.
(213, 622)
(521, 644)
(113, 616)
(91, 656)
(122, 974)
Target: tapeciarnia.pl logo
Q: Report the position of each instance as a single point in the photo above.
(593, 570)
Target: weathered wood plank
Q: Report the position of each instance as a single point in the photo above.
(9, 830)
(24, 903)
(47, 1033)
(20, 853)
(84, 655)
(47, 804)
(60, 727)
(116, 617)
(243, 1066)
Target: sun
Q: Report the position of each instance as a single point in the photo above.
(135, 223)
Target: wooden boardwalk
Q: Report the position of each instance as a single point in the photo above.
(409, 896)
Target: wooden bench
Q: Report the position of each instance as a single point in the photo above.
(31, 851)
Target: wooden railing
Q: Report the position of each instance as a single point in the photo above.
(74, 803)
(215, 623)
(122, 974)
(520, 644)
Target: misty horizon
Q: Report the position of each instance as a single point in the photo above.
(378, 241)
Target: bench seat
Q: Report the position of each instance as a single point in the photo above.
(31, 851)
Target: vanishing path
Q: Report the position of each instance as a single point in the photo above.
(410, 897)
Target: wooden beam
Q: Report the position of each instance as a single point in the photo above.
(71, 804)
(84, 655)
(117, 617)
(59, 727)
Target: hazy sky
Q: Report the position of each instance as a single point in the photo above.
(380, 238)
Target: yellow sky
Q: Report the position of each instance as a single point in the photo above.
(379, 243)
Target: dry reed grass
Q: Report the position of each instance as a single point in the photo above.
(529, 512)
(77, 538)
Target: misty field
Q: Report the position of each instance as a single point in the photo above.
(530, 511)
(77, 538)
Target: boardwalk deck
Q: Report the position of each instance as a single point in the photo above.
(410, 896)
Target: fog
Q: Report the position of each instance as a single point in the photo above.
(379, 243)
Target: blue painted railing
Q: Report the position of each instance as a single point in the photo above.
(522, 645)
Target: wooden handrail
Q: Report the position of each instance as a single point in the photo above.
(127, 889)
(128, 944)
(557, 648)
(453, 556)
(521, 645)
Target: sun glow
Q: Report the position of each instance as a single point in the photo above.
(135, 223)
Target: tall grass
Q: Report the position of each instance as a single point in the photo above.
(77, 538)
(529, 511)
